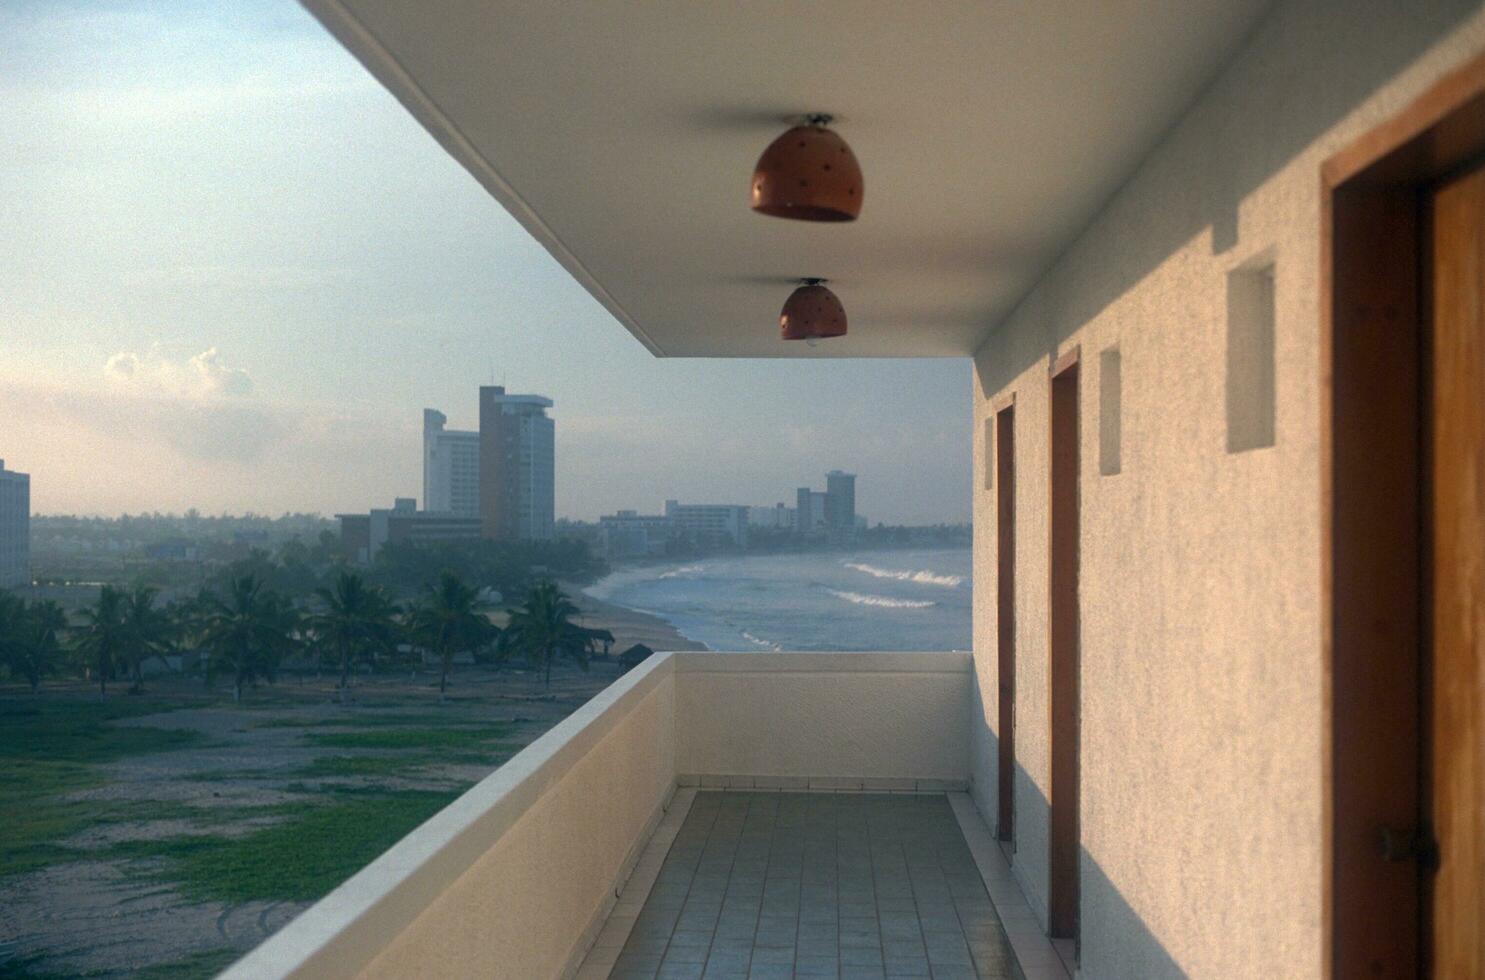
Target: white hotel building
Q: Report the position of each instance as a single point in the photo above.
(451, 467)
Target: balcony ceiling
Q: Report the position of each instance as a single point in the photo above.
(622, 135)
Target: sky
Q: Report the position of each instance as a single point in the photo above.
(233, 271)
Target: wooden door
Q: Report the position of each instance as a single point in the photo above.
(1453, 861)
(1404, 326)
(1005, 601)
(1065, 655)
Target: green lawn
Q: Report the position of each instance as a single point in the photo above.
(53, 748)
(447, 737)
(314, 848)
(207, 963)
(331, 816)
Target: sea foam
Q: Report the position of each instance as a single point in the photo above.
(879, 600)
(924, 577)
(683, 570)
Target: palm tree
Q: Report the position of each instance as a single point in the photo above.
(102, 638)
(358, 622)
(12, 630)
(39, 646)
(450, 619)
(248, 631)
(543, 630)
(147, 630)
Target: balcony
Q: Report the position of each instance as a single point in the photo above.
(738, 815)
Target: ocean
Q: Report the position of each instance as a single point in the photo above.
(877, 600)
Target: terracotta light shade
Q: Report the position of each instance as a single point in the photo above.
(809, 173)
(811, 312)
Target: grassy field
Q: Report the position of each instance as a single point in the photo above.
(185, 827)
(313, 848)
(49, 750)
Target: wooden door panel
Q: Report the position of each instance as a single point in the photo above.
(1065, 669)
(1376, 516)
(1455, 732)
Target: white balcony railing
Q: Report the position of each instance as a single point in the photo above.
(515, 877)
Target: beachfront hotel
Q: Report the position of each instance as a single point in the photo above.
(1218, 269)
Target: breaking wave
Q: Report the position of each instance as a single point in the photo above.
(922, 577)
(883, 601)
(683, 570)
(760, 641)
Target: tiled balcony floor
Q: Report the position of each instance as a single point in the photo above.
(817, 885)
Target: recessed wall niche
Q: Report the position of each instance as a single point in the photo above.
(1110, 412)
(1251, 395)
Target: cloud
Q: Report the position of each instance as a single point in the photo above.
(122, 366)
(205, 376)
(199, 407)
(216, 377)
(116, 449)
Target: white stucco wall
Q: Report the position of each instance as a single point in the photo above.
(511, 878)
(858, 720)
(1200, 568)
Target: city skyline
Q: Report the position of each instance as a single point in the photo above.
(262, 269)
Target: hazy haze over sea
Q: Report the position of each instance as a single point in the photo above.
(875, 600)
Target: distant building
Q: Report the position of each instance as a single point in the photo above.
(15, 528)
(831, 513)
(363, 535)
(173, 549)
(809, 511)
(630, 534)
(709, 525)
(451, 467)
(840, 499)
(775, 518)
(517, 466)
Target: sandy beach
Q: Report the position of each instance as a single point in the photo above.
(629, 627)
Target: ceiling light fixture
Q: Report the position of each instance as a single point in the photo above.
(810, 174)
(812, 312)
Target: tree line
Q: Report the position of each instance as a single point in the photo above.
(245, 628)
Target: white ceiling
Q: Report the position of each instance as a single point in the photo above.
(622, 134)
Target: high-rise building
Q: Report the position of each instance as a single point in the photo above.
(517, 466)
(15, 528)
(451, 467)
(809, 511)
(840, 499)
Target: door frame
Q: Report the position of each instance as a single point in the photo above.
(1369, 215)
(1005, 617)
(1064, 649)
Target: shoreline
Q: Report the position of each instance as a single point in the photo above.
(629, 626)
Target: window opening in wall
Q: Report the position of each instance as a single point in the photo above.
(1250, 358)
